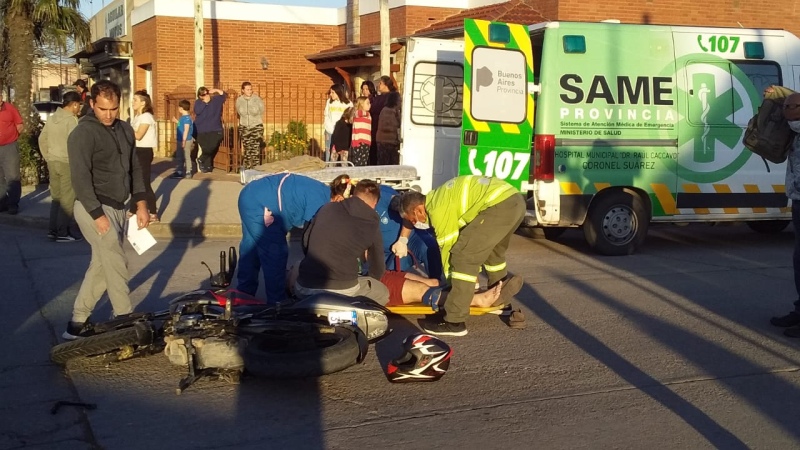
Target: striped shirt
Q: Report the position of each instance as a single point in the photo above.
(362, 129)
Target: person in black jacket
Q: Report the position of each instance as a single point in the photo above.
(80, 88)
(335, 239)
(341, 137)
(105, 173)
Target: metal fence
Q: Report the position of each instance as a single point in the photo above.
(284, 103)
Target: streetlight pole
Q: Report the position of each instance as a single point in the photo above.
(199, 46)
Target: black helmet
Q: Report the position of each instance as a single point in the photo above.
(424, 358)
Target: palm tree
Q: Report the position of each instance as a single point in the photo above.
(33, 23)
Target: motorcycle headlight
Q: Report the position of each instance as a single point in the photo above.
(377, 324)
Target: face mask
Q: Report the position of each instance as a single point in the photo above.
(420, 225)
(795, 125)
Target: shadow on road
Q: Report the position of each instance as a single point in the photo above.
(709, 357)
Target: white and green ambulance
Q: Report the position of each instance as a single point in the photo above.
(605, 126)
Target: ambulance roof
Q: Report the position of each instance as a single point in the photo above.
(649, 27)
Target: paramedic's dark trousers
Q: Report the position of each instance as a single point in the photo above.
(483, 242)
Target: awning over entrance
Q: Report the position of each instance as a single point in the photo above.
(343, 57)
(110, 59)
(105, 52)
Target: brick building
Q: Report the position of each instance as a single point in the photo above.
(292, 54)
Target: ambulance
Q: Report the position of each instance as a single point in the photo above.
(604, 126)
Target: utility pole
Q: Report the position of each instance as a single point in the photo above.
(385, 37)
(199, 46)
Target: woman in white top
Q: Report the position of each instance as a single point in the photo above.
(334, 107)
(144, 127)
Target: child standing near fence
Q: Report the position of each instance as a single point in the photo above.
(362, 133)
(342, 135)
(185, 154)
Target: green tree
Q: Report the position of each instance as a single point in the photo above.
(29, 24)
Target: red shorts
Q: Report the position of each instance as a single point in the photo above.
(394, 281)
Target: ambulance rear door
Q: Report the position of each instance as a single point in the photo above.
(498, 101)
(431, 125)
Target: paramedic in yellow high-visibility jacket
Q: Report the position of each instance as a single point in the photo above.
(473, 218)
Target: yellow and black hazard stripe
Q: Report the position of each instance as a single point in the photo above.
(692, 199)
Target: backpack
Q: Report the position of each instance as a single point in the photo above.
(768, 134)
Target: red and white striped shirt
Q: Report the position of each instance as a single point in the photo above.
(362, 129)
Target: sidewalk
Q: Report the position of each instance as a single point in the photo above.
(204, 206)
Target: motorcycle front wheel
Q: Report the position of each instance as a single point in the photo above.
(140, 334)
(299, 350)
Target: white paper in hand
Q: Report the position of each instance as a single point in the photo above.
(141, 240)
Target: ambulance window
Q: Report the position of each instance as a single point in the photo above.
(537, 44)
(762, 74)
(437, 94)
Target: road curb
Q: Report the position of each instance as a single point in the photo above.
(24, 221)
(202, 230)
(159, 230)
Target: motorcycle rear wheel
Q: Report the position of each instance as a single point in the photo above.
(138, 335)
(301, 350)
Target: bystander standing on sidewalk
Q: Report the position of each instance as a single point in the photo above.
(377, 103)
(361, 139)
(388, 131)
(105, 174)
(208, 123)
(250, 109)
(53, 146)
(342, 136)
(80, 88)
(144, 128)
(10, 185)
(334, 108)
(185, 150)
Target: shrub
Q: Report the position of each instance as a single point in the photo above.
(33, 168)
(288, 144)
(298, 128)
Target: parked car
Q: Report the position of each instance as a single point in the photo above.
(45, 109)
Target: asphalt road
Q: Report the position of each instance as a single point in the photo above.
(669, 348)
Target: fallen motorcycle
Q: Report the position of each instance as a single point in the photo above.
(215, 332)
(226, 332)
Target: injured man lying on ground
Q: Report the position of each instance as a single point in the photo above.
(409, 288)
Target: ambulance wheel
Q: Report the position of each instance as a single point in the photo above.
(617, 223)
(768, 226)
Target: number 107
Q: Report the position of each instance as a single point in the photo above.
(500, 164)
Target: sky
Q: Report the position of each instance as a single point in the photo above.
(90, 7)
